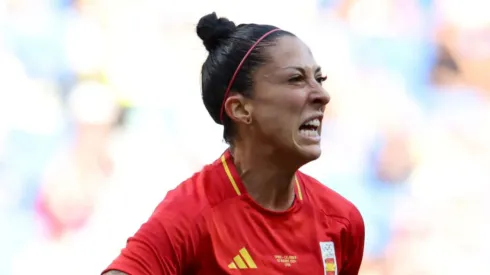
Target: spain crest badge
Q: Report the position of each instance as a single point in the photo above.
(328, 257)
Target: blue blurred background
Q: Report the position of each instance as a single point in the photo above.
(100, 115)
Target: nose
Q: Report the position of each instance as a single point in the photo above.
(320, 97)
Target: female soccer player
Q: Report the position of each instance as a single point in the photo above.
(252, 211)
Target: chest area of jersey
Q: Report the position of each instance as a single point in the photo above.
(249, 242)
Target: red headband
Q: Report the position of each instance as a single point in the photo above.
(238, 69)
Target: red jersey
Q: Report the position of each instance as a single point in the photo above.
(210, 225)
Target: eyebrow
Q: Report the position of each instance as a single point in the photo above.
(302, 70)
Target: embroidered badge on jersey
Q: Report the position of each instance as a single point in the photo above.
(328, 258)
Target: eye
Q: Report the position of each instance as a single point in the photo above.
(296, 79)
(321, 79)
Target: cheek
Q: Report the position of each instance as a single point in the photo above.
(289, 103)
(280, 113)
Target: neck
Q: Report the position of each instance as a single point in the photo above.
(266, 176)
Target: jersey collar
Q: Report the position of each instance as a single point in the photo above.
(235, 181)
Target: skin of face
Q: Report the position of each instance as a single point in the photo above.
(287, 92)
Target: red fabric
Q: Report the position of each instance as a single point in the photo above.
(204, 227)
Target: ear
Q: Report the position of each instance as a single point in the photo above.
(239, 108)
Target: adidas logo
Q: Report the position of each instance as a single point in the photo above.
(242, 261)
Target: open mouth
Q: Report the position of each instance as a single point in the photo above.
(310, 128)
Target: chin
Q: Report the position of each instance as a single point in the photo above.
(307, 148)
(310, 152)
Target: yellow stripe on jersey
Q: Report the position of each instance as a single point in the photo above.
(300, 194)
(230, 176)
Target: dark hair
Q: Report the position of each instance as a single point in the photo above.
(227, 44)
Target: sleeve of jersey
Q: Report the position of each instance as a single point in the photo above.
(355, 244)
(164, 245)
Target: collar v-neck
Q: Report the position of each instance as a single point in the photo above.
(239, 188)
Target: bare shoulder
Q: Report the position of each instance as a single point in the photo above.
(115, 272)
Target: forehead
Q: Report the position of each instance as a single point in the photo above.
(290, 51)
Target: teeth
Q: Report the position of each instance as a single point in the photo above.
(309, 133)
(314, 122)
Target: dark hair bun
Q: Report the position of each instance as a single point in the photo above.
(213, 30)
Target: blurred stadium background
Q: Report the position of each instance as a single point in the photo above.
(100, 115)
